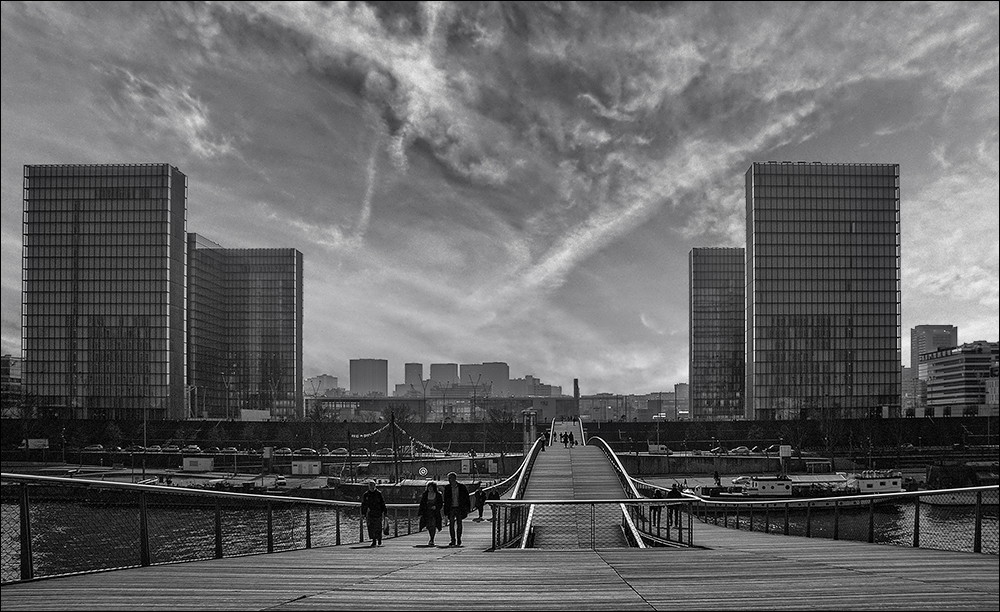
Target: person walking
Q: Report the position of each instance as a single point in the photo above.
(572, 442)
(674, 516)
(373, 509)
(456, 507)
(480, 498)
(431, 503)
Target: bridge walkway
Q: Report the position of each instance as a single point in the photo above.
(573, 473)
(731, 570)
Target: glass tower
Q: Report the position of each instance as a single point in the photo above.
(103, 290)
(717, 314)
(245, 331)
(822, 294)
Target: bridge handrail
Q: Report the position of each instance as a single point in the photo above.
(623, 475)
(511, 481)
(525, 471)
(302, 522)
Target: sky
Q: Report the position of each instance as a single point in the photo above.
(519, 182)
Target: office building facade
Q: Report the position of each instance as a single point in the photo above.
(369, 377)
(822, 290)
(103, 274)
(244, 331)
(413, 376)
(717, 333)
(957, 379)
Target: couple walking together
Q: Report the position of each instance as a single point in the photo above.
(453, 502)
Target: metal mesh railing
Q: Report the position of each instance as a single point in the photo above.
(54, 526)
(963, 520)
(590, 523)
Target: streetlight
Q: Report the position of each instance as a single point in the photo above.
(475, 385)
(423, 404)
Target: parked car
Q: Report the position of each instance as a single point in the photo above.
(155, 448)
(384, 452)
(740, 450)
(284, 450)
(191, 448)
(339, 451)
(229, 450)
(718, 450)
(135, 448)
(211, 450)
(741, 480)
(113, 449)
(773, 449)
(93, 448)
(310, 452)
(280, 481)
(908, 447)
(171, 448)
(324, 451)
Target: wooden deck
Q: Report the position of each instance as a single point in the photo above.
(735, 570)
(730, 570)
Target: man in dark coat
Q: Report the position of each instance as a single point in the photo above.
(373, 509)
(456, 507)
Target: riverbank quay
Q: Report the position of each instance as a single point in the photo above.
(727, 570)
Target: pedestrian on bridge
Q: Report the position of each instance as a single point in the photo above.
(374, 510)
(456, 507)
(431, 503)
(674, 516)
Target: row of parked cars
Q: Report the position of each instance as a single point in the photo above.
(194, 449)
(746, 450)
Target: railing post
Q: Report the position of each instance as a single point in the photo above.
(218, 529)
(309, 543)
(767, 519)
(977, 542)
(750, 519)
(786, 519)
(337, 522)
(593, 529)
(808, 519)
(361, 527)
(871, 521)
(395, 523)
(270, 528)
(836, 520)
(27, 562)
(143, 531)
(916, 522)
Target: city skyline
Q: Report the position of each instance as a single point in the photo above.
(478, 183)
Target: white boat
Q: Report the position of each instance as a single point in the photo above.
(814, 490)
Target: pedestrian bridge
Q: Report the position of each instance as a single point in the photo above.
(571, 533)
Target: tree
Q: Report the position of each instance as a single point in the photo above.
(402, 412)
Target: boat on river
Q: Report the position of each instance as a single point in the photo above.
(814, 490)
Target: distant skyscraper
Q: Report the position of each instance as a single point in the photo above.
(103, 302)
(444, 374)
(413, 375)
(823, 336)
(244, 330)
(717, 321)
(369, 377)
(471, 374)
(927, 339)
(496, 374)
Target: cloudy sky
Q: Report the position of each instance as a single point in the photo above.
(478, 182)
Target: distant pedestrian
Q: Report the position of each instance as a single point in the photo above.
(572, 442)
(656, 510)
(718, 480)
(494, 495)
(564, 439)
(674, 517)
(431, 503)
(456, 507)
(374, 510)
(480, 498)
